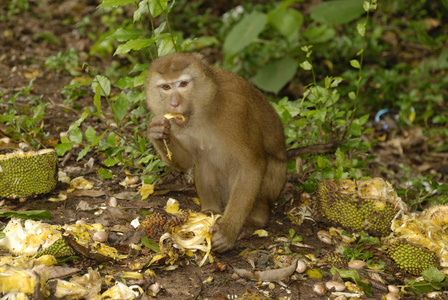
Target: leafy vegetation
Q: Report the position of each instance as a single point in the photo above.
(328, 70)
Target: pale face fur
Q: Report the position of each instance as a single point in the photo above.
(173, 85)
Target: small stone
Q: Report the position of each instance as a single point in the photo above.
(356, 264)
(337, 286)
(393, 288)
(301, 266)
(319, 288)
(100, 236)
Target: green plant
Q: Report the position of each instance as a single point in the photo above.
(422, 191)
(24, 116)
(123, 113)
(433, 279)
(292, 238)
(64, 61)
(357, 253)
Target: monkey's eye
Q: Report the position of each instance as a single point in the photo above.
(183, 84)
(166, 87)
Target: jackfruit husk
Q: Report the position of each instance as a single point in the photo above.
(26, 174)
(425, 231)
(192, 236)
(31, 238)
(36, 238)
(368, 205)
(87, 286)
(15, 280)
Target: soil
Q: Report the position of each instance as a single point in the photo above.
(22, 53)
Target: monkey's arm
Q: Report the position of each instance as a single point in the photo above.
(159, 130)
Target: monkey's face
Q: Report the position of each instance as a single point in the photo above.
(175, 96)
(179, 84)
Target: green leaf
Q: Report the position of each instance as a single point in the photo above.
(75, 135)
(287, 22)
(123, 34)
(352, 95)
(111, 3)
(110, 162)
(361, 27)
(30, 214)
(125, 82)
(166, 46)
(120, 106)
(355, 129)
(90, 134)
(97, 99)
(141, 10)
(62, 148)
(355, 64)
(323, 162)
(433, 275)
(104, 173)
(140, 79)
(363, 119)
(366, 6)
(156, 7)
(78, 122)
(83, 153)
(104, 84)
(352, 274)
(244, 33)
(275, 75)
(337, 12)
(366, 238)
(306, 65)
(319, 34)
(150, 244)
(136, 44)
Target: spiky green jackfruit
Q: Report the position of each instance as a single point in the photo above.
(60, 248)
(425, 232)
(28, 174)
(411, 257)
(368, 205)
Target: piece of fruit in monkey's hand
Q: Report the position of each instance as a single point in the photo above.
(169, 154)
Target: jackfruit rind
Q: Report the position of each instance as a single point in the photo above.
(60, 248)
(425, 231)
(368, 205)
(28, 237)
(411, 257)
(25, 174)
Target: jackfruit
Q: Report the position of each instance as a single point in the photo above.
(411, 257)
(29, 237)
(28, 174)
(157, 224)
(425, 232)
(368, 205)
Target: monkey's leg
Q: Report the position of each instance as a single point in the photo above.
(271, 188)
(244, 190)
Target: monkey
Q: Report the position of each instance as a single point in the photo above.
(228, 133)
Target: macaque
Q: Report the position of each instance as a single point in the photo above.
(229, 134)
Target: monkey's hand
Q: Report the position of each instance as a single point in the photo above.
(159, 129)
(220, 242)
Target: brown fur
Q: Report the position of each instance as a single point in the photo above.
(232, 137)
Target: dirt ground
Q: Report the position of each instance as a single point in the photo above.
(21, 53)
